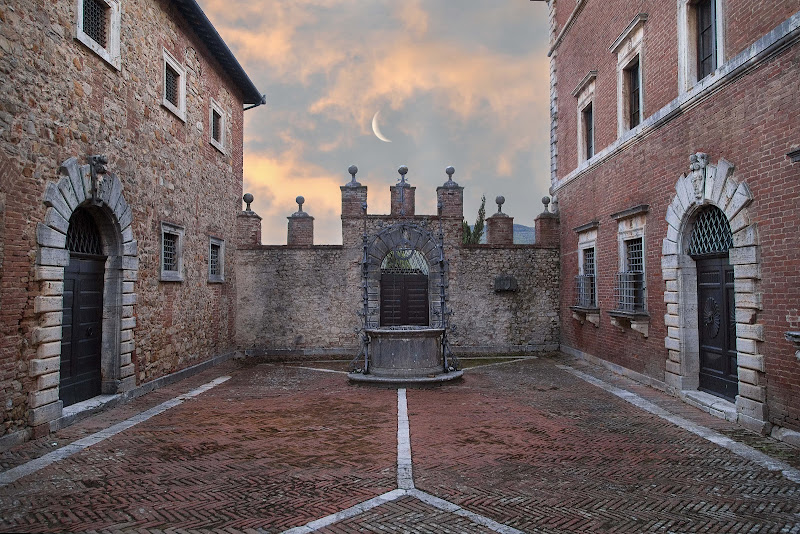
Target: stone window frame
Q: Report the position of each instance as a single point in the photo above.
(110, 53)
(584, 92)
(587, 239)
(687, 42)
(715, 185)
(221, 143)
(220, 276)
(629, 50)
(180, 233)
(179, 110)
(632, 225)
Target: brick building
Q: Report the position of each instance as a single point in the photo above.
(113, 272)
(674, 143)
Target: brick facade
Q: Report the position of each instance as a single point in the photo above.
(61, 101)
(741, 117)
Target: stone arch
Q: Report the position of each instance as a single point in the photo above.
(109, 209)
(414, 237)
(708, 184)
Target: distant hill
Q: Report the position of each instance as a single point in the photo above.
(523, 235)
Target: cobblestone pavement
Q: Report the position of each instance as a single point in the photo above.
(537, 445)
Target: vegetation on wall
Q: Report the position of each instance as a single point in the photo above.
(472, 236)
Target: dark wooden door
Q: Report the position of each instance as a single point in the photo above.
(81, 336)
(404, 299)
(717, 325)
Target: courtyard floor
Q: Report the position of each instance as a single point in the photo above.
(548, 444)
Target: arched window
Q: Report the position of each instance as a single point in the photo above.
(711, 234)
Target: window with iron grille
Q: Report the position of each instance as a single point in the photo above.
(98, 24)
(630, 286)
(174, 86)
(711, 234)
(171, 252)
(83, 237)
(95, 20)
(706, 38)
(585, 282)
(216, 260)
(216, 119)
(588, 129)
(632, 75)
(171, 79)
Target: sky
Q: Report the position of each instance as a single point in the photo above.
(457, 82)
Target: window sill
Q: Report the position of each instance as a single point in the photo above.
(638, 321)
(216, 280)
(170, 276)
(218, 146)
(582, 314)
(181, 114)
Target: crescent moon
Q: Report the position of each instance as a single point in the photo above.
(376, 129)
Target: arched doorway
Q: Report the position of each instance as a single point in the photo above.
(716, 307)
(404, 289)
(82, 322)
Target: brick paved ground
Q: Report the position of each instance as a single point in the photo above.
(527, 445)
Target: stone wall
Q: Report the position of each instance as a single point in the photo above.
(60, 100)
(303, 301)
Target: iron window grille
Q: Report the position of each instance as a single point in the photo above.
(404, 261)
(171, 79)
(706, 38)
(216, 260)
(585, 291)
(711, 233)
(169, 253)
(588, 128)
(216, 130)
(95, 21)
(630, 287)
(634, 93)
(83, 237)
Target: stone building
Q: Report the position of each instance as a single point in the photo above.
(115, 271)
(674, 143)
(304, 300)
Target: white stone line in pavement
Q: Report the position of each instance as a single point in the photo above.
(447, 506)
(405, 479)
(740, 449)
(405, 482)
(32, 466)
(359, 508)
(319, 369)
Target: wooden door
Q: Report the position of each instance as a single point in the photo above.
(81, 337)
(717, 325)
(404, 299)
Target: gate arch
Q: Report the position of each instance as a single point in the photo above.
(109, 210)
(417, 241)
(713, 185)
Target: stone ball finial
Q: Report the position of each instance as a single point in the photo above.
(248, 199)
(546, 202)
(500, 200)
(403, 170)
(450, 172)
(300, 200)
(352, 169)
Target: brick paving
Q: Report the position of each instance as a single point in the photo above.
(526, 445)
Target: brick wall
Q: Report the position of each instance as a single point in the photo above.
(60, 100)
(750, 123)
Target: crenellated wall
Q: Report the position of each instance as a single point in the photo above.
(303, 301)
